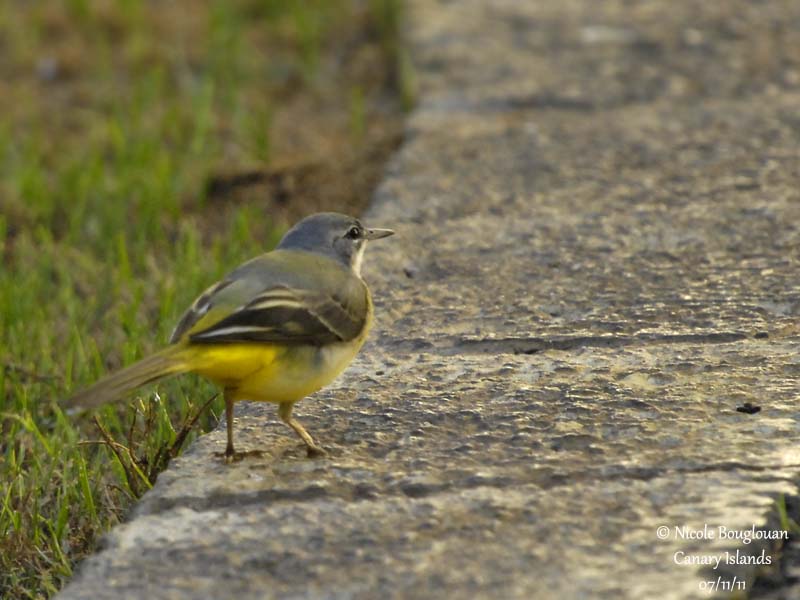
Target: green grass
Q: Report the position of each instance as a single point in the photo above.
(113, 118)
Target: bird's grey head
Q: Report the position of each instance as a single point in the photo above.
(335, 235)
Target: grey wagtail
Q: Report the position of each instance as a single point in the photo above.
(275, 329)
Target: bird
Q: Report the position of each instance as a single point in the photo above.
(275, 329)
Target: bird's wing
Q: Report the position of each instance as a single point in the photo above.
(286, 315)
(267, 301)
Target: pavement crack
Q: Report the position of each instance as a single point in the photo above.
(533, 345)
(454, 345)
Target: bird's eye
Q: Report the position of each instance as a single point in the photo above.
(354, 233)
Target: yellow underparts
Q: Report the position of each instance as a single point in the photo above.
(269, 372)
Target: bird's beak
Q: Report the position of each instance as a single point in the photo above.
(376, 234)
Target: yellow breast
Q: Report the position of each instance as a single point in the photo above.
(270, 373)
(298, 372)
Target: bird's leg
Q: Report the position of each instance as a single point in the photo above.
(230, 455)
(285, 412)
(229, 452)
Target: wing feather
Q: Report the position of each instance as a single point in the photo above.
(286, 315)
(197, 310)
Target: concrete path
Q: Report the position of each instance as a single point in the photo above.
(598, 208)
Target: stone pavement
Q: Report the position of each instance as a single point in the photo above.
(597, 206)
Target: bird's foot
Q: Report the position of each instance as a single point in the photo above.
(316, 451)
(232, 457)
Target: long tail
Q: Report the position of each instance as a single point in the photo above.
(116, 386)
